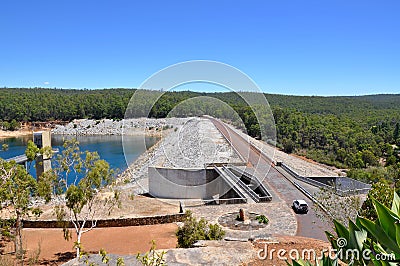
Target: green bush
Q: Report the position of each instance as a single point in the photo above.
(262, 219)
(13, 125)
(194, 230)
(381, 192)
(152, 257)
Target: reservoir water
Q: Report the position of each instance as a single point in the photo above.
(110, 148)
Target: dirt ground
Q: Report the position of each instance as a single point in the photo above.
(17, 133)
(54, 250)
(131, 207)
(137, 206)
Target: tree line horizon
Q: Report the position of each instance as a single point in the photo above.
(353, 132)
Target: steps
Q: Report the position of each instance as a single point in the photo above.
(254, 183)
(240, 188)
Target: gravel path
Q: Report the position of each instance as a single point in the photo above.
(282, 220)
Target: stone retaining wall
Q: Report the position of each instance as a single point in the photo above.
(162, 219)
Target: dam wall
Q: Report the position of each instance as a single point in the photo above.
(184, 183)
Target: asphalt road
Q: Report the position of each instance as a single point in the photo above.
(309, 225)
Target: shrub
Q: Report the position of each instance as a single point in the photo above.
(215, 232)
(194, 230)
(381, 192)
(262, 219)
(152, 258)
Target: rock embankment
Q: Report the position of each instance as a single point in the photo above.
(195, 144)
(192, 143)
(137, 126)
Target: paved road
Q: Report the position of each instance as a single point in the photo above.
(309, 225)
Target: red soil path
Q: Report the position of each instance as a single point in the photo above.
(117, 240)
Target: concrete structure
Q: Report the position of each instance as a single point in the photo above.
(343, 186)
(175, 183)
(43, 162)
(42, 139)
(212, 184)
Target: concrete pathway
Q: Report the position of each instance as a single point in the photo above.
(282, 220)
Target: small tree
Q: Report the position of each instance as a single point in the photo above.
(194, 230)
(80, 181)
(16, 190)
(382, 193)
(288, 145)
(31, 152)
(14, 125)
(4, 147)
(152, 257)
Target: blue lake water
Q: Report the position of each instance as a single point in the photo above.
(110, 148)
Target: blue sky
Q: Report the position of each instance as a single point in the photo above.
(287, 47)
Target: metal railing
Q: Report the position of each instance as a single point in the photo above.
(339, 191)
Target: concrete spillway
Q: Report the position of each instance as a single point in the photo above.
(237, 185)
(252, 182)
(219, 184)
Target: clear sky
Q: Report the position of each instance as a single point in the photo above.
(329, 47)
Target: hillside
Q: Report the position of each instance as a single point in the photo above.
(346, 131)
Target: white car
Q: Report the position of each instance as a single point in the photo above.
(300, 206)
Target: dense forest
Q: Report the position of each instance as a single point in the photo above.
(356, 132)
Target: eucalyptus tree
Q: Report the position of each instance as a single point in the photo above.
(82, 187)
(17, 188)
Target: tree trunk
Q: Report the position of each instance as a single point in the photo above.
(78, 243)
(19, 252)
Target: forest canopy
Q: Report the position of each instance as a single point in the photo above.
(350, 131)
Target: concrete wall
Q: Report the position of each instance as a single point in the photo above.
(342, 183)
(42, 165)
(42, 139)
(185, 183)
